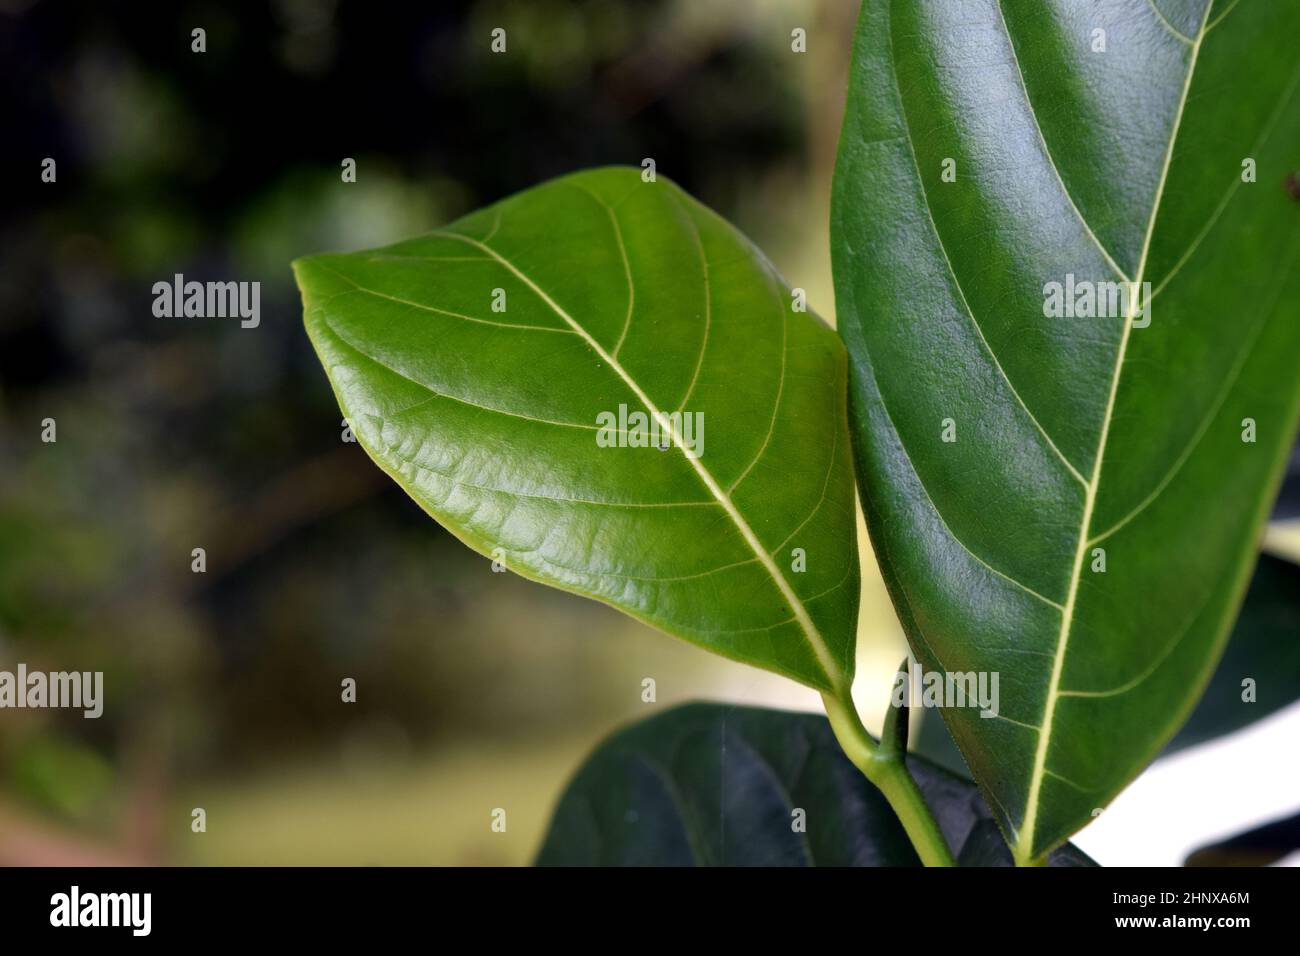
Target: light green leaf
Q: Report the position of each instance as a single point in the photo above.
(719, 785)
(990, 149)
(610, 293)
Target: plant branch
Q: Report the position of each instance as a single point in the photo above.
(887, 770)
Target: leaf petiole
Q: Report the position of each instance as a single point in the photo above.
(885, 767)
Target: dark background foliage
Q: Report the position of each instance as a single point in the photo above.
(181, 433)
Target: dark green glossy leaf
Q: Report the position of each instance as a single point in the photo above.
(1072, 434)
(1259, 847)
(1262, 648)
(713, 785)
(616, 293)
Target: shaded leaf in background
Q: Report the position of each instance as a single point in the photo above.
(714, 785)
(618, 293)
(1077, 439)
(61, 773)
(1288, 499)
(1259, 847)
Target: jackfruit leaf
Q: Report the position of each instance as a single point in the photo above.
(605, 387)
(1258, 675)
(719, 785)
(1065, 482)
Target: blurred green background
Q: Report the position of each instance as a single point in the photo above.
(476, 690)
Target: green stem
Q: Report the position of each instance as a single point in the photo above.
(889, 774)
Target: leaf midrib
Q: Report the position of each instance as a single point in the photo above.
(812, 635)
(1024, 847)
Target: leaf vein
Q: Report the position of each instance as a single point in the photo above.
(826, 661)
(1179, 34)
(970, 312)
(454, 398)
(1239, 364)
(430, 308)
(776, 405)
(1047, 152)
(1025, 844)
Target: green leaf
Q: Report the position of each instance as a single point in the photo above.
(712, 785)
(616, 293)
(1071, 434)
(1263, 649)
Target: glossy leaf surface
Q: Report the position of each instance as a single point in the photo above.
(1258, 675)
(1072, 502)
(496, 368)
